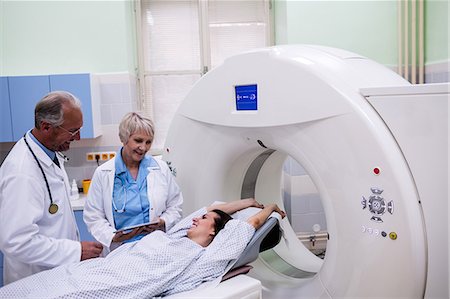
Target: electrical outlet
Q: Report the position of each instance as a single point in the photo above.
(100, 156)
(107, 155)
(90, 156)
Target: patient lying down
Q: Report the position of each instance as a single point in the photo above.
(160, 264)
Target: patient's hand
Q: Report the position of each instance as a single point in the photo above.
(236, 205)
(251, 202)
(258, 219)
(279, 211)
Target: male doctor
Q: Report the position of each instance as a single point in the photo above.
(38, 228)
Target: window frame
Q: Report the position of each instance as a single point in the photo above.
(145, 101)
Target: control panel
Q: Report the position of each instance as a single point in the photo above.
(378, 206)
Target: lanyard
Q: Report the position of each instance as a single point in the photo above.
(53, 208)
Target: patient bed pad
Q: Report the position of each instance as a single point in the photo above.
(266, 237)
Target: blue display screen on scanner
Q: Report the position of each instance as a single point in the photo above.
(246, 97)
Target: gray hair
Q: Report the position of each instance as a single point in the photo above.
(134, 122)
(50, 108)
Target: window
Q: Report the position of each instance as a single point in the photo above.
(182, 40)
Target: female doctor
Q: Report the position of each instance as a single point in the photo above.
(132, 189)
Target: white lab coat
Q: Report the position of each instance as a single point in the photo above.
(164, 196)
(32, 239)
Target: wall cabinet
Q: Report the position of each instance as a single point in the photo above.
(24, 93)
(19, 95)
(5, 112)
(84, 87)
(82, 228)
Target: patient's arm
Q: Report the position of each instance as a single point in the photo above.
(237, 205)
(258, 219)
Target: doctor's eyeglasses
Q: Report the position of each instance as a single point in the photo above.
(72, 134)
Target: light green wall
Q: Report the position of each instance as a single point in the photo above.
(437, 34)
(1, 36)
(364, 27)
(40, 37)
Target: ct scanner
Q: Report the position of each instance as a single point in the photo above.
(375, 146)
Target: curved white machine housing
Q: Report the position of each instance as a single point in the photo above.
(309, 106)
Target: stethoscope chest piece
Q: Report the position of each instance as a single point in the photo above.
(53, 208)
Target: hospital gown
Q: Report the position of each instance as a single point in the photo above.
(159, 264)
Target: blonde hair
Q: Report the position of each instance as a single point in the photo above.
(134, 122)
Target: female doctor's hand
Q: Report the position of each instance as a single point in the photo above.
(160, 225)
(121, 236)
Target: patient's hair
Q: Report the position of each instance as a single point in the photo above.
(220, 222)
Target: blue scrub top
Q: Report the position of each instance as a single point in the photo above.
(130, 196)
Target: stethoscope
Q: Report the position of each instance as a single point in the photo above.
(53, 208)
(122, 210)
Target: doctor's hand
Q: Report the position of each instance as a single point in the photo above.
(90, 250)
